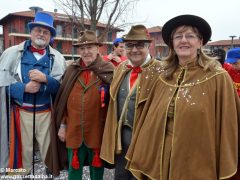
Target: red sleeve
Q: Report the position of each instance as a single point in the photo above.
(227, 67)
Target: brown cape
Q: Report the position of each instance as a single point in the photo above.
(205, 137)
(150, 72)
(56, 159)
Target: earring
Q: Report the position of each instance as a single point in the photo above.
(198, 51)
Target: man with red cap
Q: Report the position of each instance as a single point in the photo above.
(30, 76)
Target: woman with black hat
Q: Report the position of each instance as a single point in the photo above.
(189, 126)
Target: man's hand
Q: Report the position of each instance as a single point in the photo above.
(62, 133)
(32, 87)
(114, 57)
(36, 75)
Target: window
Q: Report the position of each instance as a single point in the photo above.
(75, 32)
(109, 38)
(26, 30)
(97, 32)
(59, 46)
(59, 30)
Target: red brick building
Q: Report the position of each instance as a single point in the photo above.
(158, 48)
(224, 44)
(15, 31)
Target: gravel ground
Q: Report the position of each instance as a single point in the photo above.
(40, 174)
(39, 169)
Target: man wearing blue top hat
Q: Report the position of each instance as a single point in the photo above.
(29, 79)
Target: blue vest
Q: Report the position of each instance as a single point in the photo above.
(29, 62)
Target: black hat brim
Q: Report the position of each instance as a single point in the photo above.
(188, 20)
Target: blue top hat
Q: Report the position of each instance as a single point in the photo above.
(45, 20)
(233, 55)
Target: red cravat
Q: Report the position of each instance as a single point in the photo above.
(40, 51)
(86, 73)
(134, 74)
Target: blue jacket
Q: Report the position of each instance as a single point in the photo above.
(29, 62)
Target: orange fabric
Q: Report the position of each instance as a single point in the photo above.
(37, 112)
(82, 101)
(20, 163)
(12, 142)
(102, 97)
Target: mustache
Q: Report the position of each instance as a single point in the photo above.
(40, 42)
(136, 53)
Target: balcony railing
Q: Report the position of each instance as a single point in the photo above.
(28, 35)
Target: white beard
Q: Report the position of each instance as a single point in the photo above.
(40, 42)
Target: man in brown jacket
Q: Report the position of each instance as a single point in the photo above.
(81, 107)
(129, 90)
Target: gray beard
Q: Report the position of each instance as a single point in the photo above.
(40, 42)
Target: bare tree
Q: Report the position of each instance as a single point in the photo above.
(92, 12)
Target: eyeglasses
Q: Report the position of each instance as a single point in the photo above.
(41, 31)
(188, 37)
(139, 45)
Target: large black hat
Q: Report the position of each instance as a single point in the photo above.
(191, 20)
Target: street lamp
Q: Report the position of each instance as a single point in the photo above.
(232, 37)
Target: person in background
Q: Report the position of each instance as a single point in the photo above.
(118, 54)
(220, 54)
(30, 74)
(81, 108)
(232, 66)
(189, 125)
(132, 82)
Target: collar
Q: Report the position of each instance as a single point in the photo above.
(148, 58)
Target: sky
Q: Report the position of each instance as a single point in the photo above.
(223, 16)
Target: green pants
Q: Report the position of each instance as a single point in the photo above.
(83, 153)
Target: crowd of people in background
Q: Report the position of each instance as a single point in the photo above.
(177, 118)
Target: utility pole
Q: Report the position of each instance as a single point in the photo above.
(72, 32)
(232, 37)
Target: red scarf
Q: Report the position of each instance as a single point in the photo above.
(134, 74)
(86, 73)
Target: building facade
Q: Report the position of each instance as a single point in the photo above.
(158, 48)
(1, 44)
(15, 31)
(224, 44)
